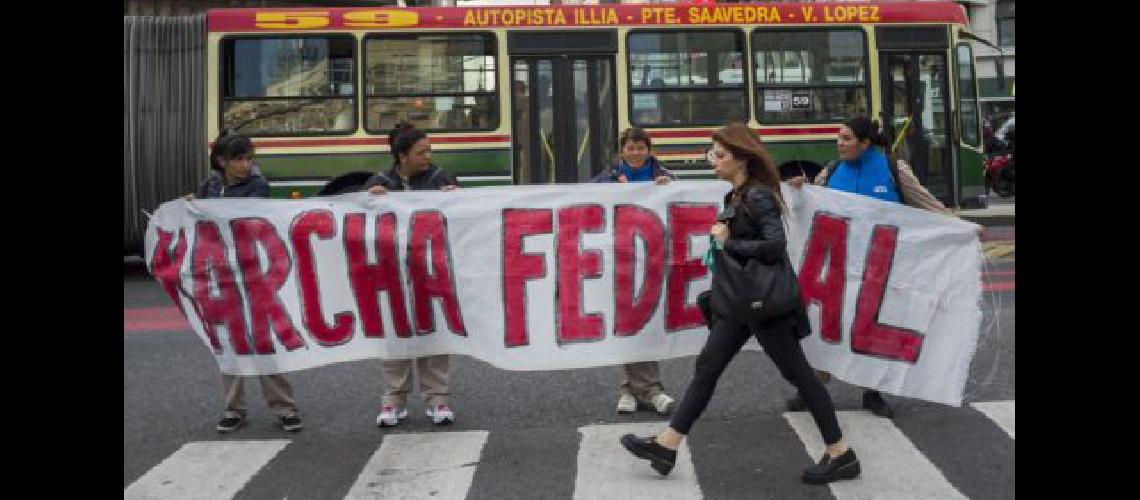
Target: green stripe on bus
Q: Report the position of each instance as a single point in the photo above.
(971, 171)
(287, 191)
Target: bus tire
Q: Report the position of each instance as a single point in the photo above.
(345, 183)
(794, 168)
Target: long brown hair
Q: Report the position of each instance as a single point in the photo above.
(744, 144)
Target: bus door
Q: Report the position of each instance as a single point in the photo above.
(916, 105)
(564, 116)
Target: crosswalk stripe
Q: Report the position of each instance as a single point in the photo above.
(1001, 412)
(205, 470)
(607, 470)
(892, 467)
(437, 465)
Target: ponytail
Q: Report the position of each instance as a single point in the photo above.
(865, 128)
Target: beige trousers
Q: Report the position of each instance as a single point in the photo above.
(643, 380)
(277, 391)
(433, 375)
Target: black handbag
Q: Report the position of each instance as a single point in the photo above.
(753, 291)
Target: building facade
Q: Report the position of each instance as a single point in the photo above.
(993, 20)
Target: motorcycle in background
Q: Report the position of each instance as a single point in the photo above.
(1000, 162)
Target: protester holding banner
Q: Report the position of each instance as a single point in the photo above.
(751, 227)
(642, 382)
(235, 176)
(865, 168)
(412, 170)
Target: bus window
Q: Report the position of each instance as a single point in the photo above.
(809, 76)
(436, 82)
(292, 86)
(681, 78)
(967, 96)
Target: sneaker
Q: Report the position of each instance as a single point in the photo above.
(290, 423)
(660, 457)
(663, 404)
(230, 424)
(441, 415)
(797, 403)
(626, 402)
(846, 466)
(873, 400)
(389, 416)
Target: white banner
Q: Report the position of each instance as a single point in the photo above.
(558, 277)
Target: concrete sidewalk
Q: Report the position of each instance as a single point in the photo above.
(996, 214)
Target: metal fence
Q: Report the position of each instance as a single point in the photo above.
(164, 108)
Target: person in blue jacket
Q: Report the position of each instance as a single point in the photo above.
(637, 163)
(863, 168)
(642, 382)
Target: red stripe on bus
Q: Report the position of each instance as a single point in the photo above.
(799, 131)
(372, 141)
(315, 19)
(679, 153)
(685, 134)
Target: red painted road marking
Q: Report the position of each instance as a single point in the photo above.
(1003, 286)
(1009, 272)
(140, 319)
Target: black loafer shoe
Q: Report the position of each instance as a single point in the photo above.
(846, 466)
(873, 400)
(797, 404)
(660, 458)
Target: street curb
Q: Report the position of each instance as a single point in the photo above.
(989, 220)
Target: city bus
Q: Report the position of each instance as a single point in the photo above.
(538, 94)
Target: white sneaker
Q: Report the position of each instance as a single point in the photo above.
(663, 403)
(390, 417)
(441, 415)
(626, 403)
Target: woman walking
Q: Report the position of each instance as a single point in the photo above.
(750, 227)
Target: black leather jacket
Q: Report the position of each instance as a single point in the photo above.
(756, 230)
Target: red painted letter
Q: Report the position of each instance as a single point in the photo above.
(209, 263)
(165, 267)
(630, 222)
(828, 240)
(322, 224)
(868, 336)
(261, 288)
(430, 226)
(370, 279)
(518, 267)
(685, 220)
(574, 265)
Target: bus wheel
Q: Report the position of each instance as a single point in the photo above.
(345, 183)
(796, 168)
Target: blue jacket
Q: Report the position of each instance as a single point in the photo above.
(612, 174)
(869, 175)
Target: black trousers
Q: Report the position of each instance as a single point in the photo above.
(782, 347)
